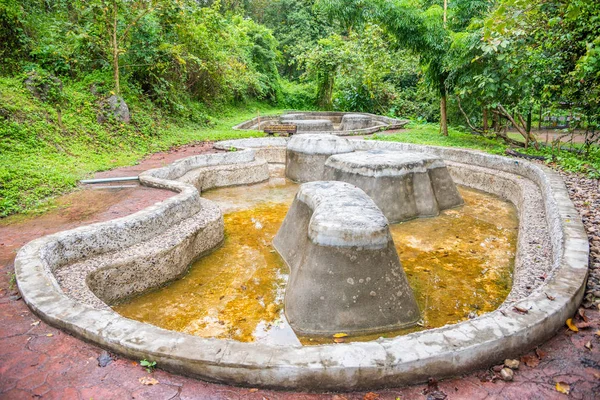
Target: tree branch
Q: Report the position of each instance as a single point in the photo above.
(474, 129)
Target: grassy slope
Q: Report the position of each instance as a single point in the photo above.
(40, 158)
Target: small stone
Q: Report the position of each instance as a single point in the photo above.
(512, 364)
(507, 374)
(104, 359)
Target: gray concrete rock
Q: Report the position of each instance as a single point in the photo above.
(310, 125)
(306, 155)
(352, 122)
(404, 185)
(345, 274)
(115, 106)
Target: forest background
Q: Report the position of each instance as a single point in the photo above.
(472, 73)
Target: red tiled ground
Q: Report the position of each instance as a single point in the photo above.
(38, 361)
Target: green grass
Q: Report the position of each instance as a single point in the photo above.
(41, 157)
(428, 134)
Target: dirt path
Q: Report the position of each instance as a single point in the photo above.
(38, 361)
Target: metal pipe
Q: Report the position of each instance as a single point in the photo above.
(107, 180)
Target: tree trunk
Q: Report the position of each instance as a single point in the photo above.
(443, 116)
(445, 12)
(326, 91)
(528, 127)
(115, 50)
(485, 120)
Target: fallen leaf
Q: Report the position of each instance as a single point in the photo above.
(551, 298)
(541, 354)
(339, 340)
(49, 334)
(371, 396)
(148, 381)
(583, 325)
(340, 335)
(581, 313)
(597, 333)
(531, 361)
(571, 326)
(36, 323)
(520, 310)
(588, 345)
(253, 390)
(563, 387)
(597, 375)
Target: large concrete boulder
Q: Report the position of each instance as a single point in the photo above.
(352, 122)
(345, 274)
(403, 185)
(310, 125)
(306, 155)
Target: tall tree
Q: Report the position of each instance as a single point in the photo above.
(118, 17)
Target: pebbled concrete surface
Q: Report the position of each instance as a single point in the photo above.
(37, 361)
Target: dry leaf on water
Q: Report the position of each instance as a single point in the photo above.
(563, 387)
(571, 325)
(340, 335)
(148, 381)
(588, 345)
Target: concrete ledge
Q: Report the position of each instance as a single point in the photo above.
(409, 359)
(271, 149)
(217, 176)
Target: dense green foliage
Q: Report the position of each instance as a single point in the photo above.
(489, 67)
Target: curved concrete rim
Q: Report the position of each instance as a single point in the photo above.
(383, 123)
(440, 352)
